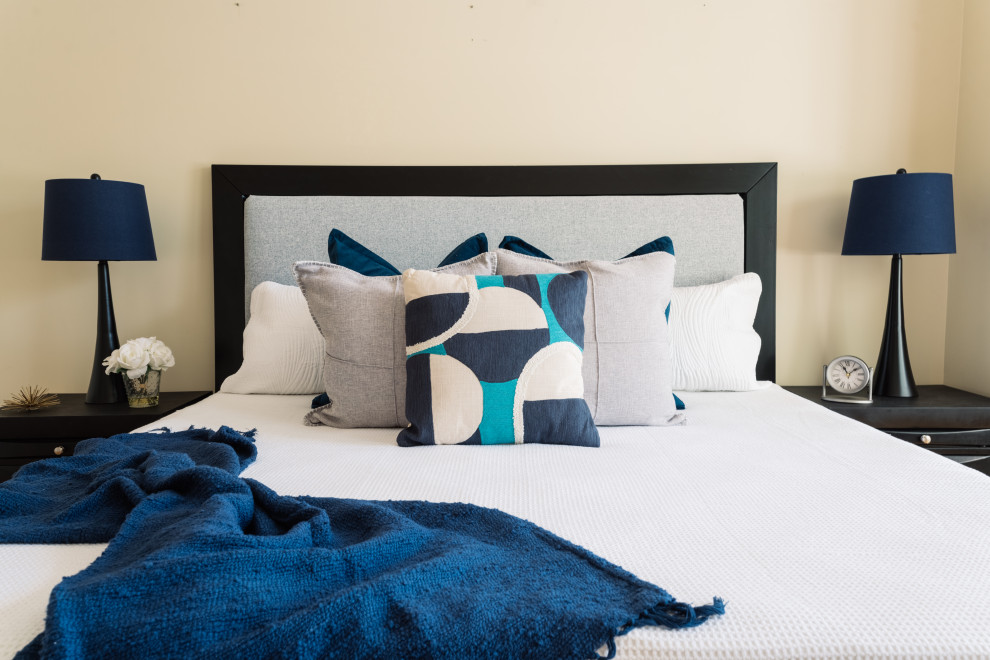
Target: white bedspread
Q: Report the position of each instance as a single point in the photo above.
(826, 538)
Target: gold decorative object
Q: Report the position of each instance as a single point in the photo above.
(32, 397)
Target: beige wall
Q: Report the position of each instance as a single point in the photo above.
(967, 350)
(156, 92)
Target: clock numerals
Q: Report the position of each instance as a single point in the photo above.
(847, 374)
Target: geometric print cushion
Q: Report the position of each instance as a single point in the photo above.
(495, 359)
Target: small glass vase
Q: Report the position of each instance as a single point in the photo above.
(143, 392)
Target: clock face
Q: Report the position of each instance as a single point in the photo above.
(847, 374)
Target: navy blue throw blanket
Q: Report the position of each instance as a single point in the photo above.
(85, 497)
(204, 563)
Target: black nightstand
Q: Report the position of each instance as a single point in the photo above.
(948, 421)
(31, 436)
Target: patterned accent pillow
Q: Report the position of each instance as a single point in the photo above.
(495, 360)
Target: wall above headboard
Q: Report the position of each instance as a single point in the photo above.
(511, 82)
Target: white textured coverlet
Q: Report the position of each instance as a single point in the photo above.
(826, 538)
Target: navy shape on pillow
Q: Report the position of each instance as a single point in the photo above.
(497, 357)
(429, 316)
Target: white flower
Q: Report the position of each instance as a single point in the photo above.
(133, 358)
(111, 362)
(144, 342)
(139, 355)
(160, 356)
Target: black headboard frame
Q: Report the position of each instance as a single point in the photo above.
(755, 183)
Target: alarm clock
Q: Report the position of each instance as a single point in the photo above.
(847, 376)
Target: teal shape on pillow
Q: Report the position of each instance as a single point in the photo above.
(496, 422)
(345, 251)
(485, 281)
(432, 350)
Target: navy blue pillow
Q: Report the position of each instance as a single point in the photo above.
(469, 249)
(345, 251)
(662, 244)
(519, 246)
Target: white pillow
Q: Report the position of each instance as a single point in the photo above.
(283, 348)
(713, 343)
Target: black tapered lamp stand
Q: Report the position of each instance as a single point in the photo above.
(104, 388)
(899, 214)
(892, 374)
(96, 220)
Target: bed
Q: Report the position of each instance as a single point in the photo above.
(825, 538)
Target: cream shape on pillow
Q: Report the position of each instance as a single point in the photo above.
(553, 373)
(505, 309)
(418, 284)
(453, 423)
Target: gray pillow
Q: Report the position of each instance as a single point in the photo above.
(627, 367)
(362, 320)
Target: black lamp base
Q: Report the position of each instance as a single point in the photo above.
(893, 376)
(104, 388)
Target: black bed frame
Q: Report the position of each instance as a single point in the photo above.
(756, 183)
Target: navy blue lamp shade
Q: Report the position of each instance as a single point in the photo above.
(899, 214)
(96, 220)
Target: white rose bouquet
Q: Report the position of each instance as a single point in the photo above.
(138, 356)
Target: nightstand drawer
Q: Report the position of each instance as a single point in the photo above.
(36, 450)
(975, 438)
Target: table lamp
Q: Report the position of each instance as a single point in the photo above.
(899, 214)
(96, 220)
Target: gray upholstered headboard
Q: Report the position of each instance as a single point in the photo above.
(417, 232)
(721, 218)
